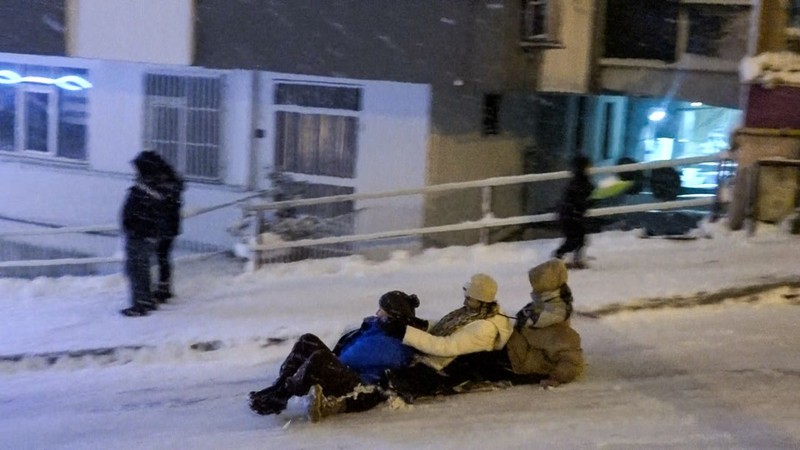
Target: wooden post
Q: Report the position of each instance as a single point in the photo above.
(752, 198)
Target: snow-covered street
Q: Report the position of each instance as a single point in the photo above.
(721, 375)
(706, 377)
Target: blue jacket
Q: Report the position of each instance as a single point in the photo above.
(369, 351)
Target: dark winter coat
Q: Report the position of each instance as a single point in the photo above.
(171, 188)
(576, 201)
(140, 211)
(369, 351)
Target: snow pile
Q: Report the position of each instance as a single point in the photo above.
(771, 68)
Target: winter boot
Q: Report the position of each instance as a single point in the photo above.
(149, 306)
(266, 391)
(318, 406)
(162, 293)
(134, 311)
(271, 402)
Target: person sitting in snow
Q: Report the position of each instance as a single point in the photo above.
(478, 326)
(543, 342)
(543, 348)
(551, 297)
(351, 372)
(572, 212)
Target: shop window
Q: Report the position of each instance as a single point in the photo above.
(43, 111)
(183, 120)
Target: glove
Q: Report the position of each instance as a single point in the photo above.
(394, 328)
(521, 319)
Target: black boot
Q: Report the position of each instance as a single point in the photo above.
(162, 293)
(271, 402)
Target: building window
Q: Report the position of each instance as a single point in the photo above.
(43, 111)
(491, 114)
(794, 14)
(316, 129)
(540, 22)
(643, 29)
(717, 30)
(183, 120)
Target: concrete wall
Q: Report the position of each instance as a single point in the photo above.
(750, 146)
(154, 31)
(568, 69)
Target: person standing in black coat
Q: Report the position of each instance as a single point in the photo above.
(170, 186)
(572, 212)
(140, 214)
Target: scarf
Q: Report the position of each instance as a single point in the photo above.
(456, 319)
(147, 189)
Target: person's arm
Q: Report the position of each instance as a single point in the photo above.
(478, 336)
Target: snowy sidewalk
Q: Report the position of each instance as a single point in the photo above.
(224, 312)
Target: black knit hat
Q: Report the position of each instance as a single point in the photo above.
(398, 304)
(148, 163)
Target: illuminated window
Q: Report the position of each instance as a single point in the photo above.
(316, 129)
(183, 120)
(43, 111)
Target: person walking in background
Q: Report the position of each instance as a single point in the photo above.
(140, 215)
(170, 185)
(572, 212)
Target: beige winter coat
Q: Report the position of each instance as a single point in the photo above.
(554, 351)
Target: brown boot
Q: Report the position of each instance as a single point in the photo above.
(318, 406)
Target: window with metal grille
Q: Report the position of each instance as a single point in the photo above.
(43, 111)
(183, 119)
(316, 129)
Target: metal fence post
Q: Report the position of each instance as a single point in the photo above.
(256, 229)
(486, 211)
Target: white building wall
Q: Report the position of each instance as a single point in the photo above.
(154, 31)
(392, 147)
(393, 153)
(393, 136)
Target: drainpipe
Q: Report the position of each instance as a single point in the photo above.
(256, 133)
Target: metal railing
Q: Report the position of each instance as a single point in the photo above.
(89, 250)
(487, 221)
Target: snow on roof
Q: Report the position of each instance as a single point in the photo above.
(771, 68)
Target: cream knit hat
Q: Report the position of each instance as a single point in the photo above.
(481, 287)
